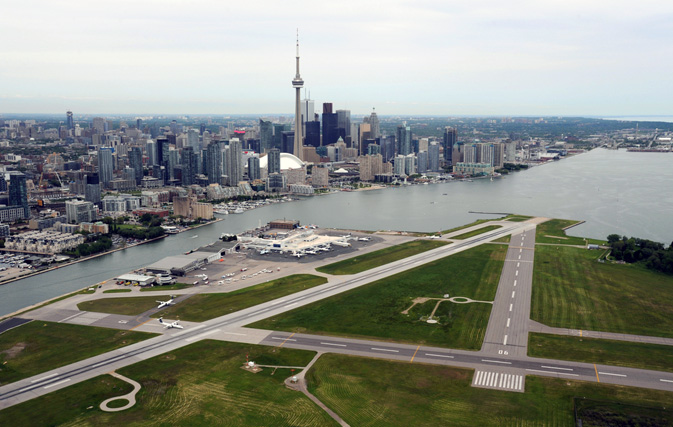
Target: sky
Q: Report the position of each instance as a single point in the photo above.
(420, 57)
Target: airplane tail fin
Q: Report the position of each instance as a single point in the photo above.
(161, 320)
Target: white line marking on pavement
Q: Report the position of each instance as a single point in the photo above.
(283, 338)
(515, 283)
(278, 302)
(99, 364)
(205, 334)
(513, 293)
(189, 330)
(234, 333)
(666, 381)
(44, 378)
(518, 264)
(554, 367)
(505, 341)
(331, 343)
(508, 319)
(70, 317)
(519, 256)
(550, 372)
(614, 375)
(55, 384)
(510, 307)
(520, 250)
(517, 273)
(496, 361)
(385, 349)
(438, 355)
(291, 305)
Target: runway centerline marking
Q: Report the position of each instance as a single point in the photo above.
(510, 307)
(44, 378)
(496, 361)
(614, 375)
(551, 372)
(555, 367)
(334, 344)
(513, 293)
(517, 273)
(515, 283)
(508, 319)
(385, 349)
(450, 357)
(504, 342)
(58, 383)
(666, 381)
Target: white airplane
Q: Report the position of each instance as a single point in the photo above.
(310, 252)
(170, 325)
(163, 304)
(435, 237)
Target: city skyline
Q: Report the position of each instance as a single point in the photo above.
(436, 58)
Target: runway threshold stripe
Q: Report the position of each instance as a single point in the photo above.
(412, 357)
(55, 384)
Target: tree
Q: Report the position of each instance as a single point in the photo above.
(612, 238)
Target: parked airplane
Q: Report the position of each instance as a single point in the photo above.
(170, 325)
(435, 237)
(163, 304)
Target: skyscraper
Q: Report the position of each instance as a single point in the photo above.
(344, 121)
(330, 124)
(213, 162)
(105, 166)
(136, 162)
(236, 161)
(273, 163)
(297, 84)
(18, 192)
(375, 125)
(433, 157)
(253, 168)
(265, 135)
(403, 140)
(189, 165)
(448, 143)
(69, 123)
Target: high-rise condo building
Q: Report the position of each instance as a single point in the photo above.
(105, 165)
(450, 139)
(403, 140)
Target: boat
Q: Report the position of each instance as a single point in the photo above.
(195, 236)
(221, 211)
(239, 211)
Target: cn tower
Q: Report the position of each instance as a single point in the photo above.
(297, 84)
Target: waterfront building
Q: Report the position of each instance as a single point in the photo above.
(399, 165)
(422, 162)
(44, 241)
(370, 166)
(235, 160)
(465, 168)
(448, 143)
(214, 162)
(485, 153)
(296, 175)
(410, 164)
(77, 211)
(253, 168)
(320, 176)
(302, 189)
(276, 182)
(92, 188)
(469, 153)
(498, 155)
(403, 140)
(433, 157)
(121, 203)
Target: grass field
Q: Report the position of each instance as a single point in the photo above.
(472, 224)
(126, 306)
(116, 291)
(199, 308)
(371, 260)
(504, 239)
(374, 310)
(180, 389)
(518, 218)
(572, 290)
(477, 232)
(173, 287)
(371, 392)
(552, 232)
(41, 346)
(604, 352)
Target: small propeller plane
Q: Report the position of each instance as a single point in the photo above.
(170, 325)
(163, 304)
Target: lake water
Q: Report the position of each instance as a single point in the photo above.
(613, 191)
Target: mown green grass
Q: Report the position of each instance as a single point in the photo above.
(608, 413)
(198, 385)
(173, 287)
(127, 306)
(372, 392)
(472, 224)
(572, 290)
(504, 239)
(518, 218)
(374, 310)
(48, 345)
(360, 263)
(199, 308)
(552, 231)
(476, 232)
(600, 351)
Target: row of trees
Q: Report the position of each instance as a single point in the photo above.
(101, 244)
(653, 254)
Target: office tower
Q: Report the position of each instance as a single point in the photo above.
(410, 164)
(469, 153)
(330, 134)
(159, 172)
(193, 140)
(388, 147)
(374, 125)
(253, 168)
(433, 157)
(173, 161)
(273, 163)
(297, 84)
(450, 139)
(69, 122)
(265, 135)
(92, 190)
(213, 162)
(403, 140)
(105, 165)
(235, 172)
(162, 151)
(99, 125)
(151, 148)
(189, 164)
(422, 162)
(175, 127)
(312, 134)
(139, 124)
(136, 162)
(344, 122)
(307, 110)
(18, 192)
(287, 142)
(278, 130)
(202, 128)
(373, 149)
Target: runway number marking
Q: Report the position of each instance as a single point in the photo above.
(503, 352)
